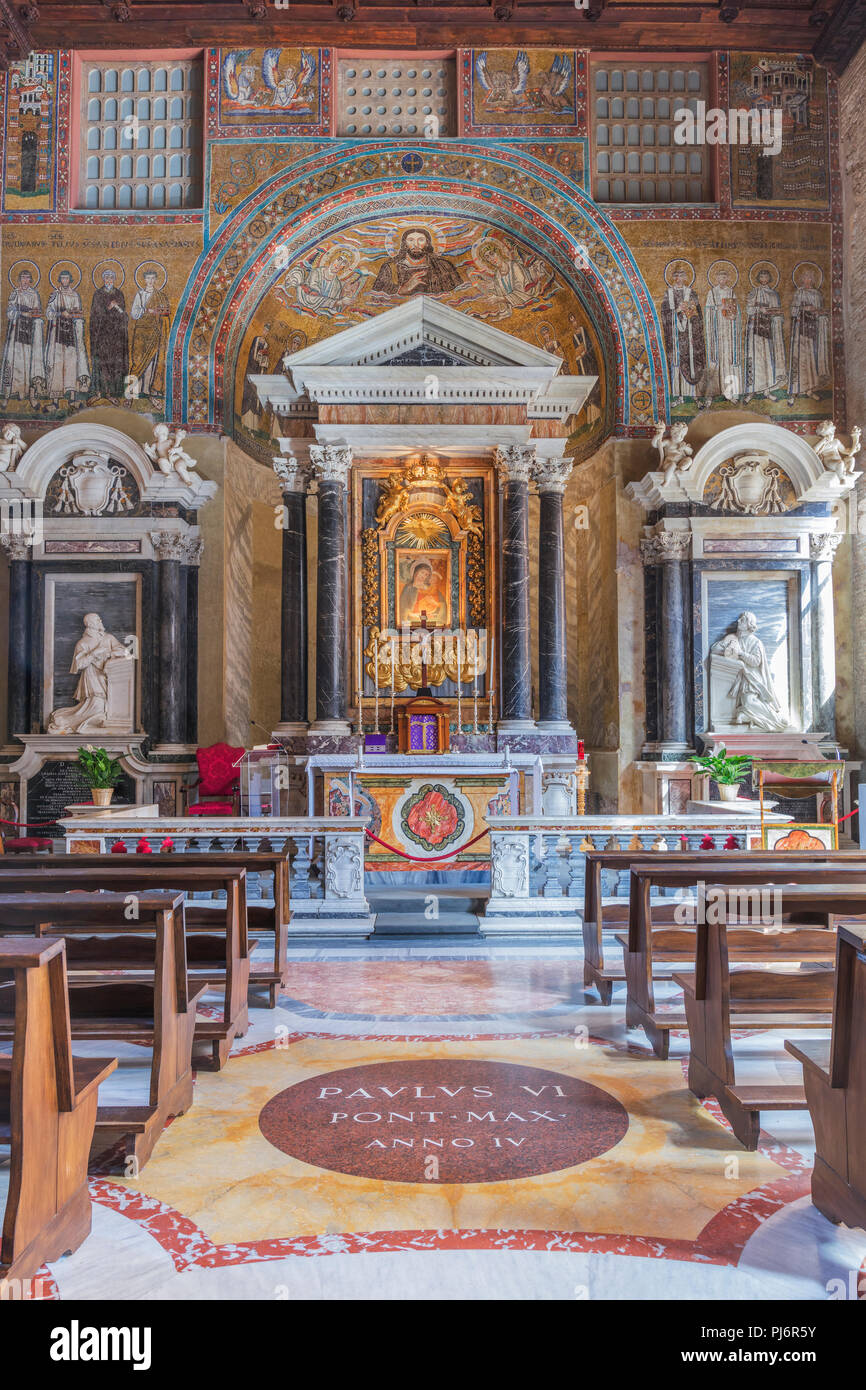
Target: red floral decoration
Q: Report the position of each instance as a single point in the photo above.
(118, 847)
(731, 842)
(167, 845)
(708, 842)
(433, 820)
(143, 847)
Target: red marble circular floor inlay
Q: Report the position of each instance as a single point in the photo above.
(443, 1121)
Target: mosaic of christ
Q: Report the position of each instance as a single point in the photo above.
(368, 269)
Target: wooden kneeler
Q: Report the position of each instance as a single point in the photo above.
(48, 1102)
(756, 999)
(834, 1076)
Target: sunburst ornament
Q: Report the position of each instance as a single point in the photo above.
(422, 530)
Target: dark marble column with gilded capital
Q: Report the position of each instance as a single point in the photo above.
(18, 551)
(671, 550)
(175, 551)
(331, 464)
(515, 465)
(294, 479)
(551, 476)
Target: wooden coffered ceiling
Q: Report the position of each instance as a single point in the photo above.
(832, 30)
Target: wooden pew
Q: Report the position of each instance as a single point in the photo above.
(127, 983)
(263, 921)
(217, 949)
(48, 1101)
(752, 997)
(678, 944)
(834, 1077)
(598, 915)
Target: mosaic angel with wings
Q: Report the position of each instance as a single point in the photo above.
(287, 86)
(512, 91)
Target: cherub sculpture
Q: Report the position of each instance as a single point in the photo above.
(168, 455)
(832, 452)
(12, 446)
(675, 456)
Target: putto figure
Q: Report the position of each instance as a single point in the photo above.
(12, 446)
(832, 452)
(168, 455)
(675, 456)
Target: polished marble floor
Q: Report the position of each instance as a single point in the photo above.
(472, 1122)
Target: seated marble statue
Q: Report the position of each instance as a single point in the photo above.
(92, 653)
(755, 701)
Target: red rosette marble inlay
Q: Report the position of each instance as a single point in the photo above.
(480, 1121)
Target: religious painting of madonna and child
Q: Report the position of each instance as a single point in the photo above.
(367, 269)
(745, 317)
(423, 587)
(269, 86)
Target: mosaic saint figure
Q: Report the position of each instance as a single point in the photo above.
(723, 320)
(416, 268)
(22, 370)
(683, 329)
(67, 370)
(151, 314)
(109, 339)
(509, 281)
(809, 354)
(329, 285)
(765, 339)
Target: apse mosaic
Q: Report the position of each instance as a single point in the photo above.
(746, 315)
(375, 265)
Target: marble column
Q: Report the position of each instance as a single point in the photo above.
(671, 550)
(173, 550)
(822, 552)
(551, 476)
(294, 480)
(18, 549)
(515, 703)
(331, 465)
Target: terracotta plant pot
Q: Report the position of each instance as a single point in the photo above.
(728, 793)
(102, 795)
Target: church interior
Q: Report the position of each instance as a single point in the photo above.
(433, 645)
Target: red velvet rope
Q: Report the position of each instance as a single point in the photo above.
(423, 858)
(25, 824)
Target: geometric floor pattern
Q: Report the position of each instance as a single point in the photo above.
(475, 1125)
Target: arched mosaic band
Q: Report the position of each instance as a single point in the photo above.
(504, 186)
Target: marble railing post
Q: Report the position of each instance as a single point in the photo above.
(294, 480)
(515, 464)
(174, 551)
(822, 551)
(18, 549)
(331, 465)
(671, 550)
(551, 476)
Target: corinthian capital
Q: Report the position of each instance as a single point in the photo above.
(331, 462)
(824, 547)
(551, 475)
(664, 547)
(17, 544)
(176, 545)
(291, 475)
(516, 462)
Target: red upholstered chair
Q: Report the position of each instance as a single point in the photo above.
(218, 781)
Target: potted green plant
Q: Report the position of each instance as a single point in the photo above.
(726, 770)
(102, 772)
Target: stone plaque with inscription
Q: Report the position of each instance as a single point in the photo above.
(61, 783)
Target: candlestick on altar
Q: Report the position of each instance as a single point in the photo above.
(475, 684)
(393, 677)
(582, 771)
(360, 684)
(376, 682)
(490, 679)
